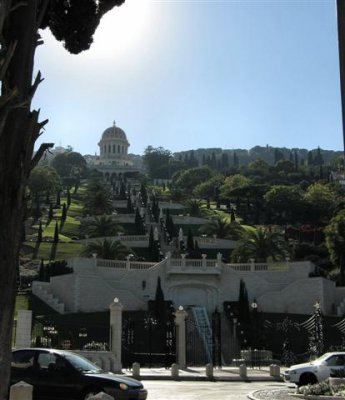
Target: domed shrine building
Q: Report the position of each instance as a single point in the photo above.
(114, 162)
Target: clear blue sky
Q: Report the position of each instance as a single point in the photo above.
(188, 74)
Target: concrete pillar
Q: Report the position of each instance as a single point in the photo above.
(180, 322)
(136, 370)
(94, 256)
(175, 371)
(21, 391)
(128, 263)
(116, 333)
(204, 260)
(209, 371)
(274, 370)
(243, 371)
(219, 259)
(23, 330)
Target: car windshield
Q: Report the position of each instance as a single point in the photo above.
(82, 364)
(322, 358)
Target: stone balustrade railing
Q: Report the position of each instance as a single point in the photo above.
(195, 263)
(127, 265)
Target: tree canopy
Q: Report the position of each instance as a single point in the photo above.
(190, 178)
(69, 164)
(157, 161)
(335, 242)
(44, 179)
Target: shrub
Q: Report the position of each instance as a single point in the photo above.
(318, 389)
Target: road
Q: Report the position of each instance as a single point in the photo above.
(186, 390)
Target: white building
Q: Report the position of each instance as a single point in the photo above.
(114, 162)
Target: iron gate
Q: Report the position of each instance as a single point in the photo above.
(148, 342)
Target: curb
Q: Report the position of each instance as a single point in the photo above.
(251, 395)
(206, 378)
(273, 393)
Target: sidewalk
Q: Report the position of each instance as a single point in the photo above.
(199, 374)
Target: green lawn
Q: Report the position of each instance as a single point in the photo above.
(63, 250)
(75, 209)
(22, 303)
(71, 227)
(50, 230)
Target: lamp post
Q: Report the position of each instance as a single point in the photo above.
(254, 307)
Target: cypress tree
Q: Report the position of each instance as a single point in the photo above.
(137, 219)
(151, 241)
(56, 233)
(68, 198)
(160, 309)
(129, 205)
(50, 213)
(64, 213)
(58, 200)
(39, 233)
(232, 215)
(190, 241)
(41, 271)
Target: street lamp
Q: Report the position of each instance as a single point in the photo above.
(254, 306)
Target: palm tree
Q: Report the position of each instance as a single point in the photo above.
(98, 199)
(222, 228)
(108, 249)
(101, 226)
(260, 244)
(195, 207)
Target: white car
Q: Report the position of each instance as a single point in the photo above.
(317, 370)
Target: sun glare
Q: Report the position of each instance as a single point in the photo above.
(122, 30)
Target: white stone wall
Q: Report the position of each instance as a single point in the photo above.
(284, 287)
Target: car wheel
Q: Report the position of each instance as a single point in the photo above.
(307, 378)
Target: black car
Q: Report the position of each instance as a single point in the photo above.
(59, 374)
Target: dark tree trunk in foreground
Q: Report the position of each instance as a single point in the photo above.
(19, 128)
(74, 23)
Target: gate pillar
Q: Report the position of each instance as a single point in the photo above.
(180, 322)
(23, 331)
(116, 333)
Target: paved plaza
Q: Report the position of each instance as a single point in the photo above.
(221, 390)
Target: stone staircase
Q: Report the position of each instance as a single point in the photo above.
(128, 299)
(203, 326)
(43, 291)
